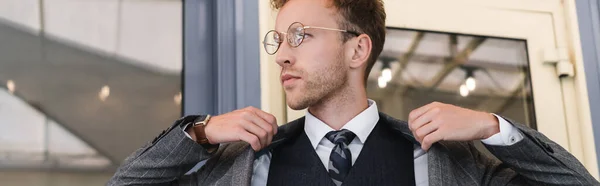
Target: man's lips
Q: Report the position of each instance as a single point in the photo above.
(287, 79)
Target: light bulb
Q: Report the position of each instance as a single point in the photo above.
(10, 84)
(381, 82)
(471, 84)
(104, 92)
(464, 91)
(386, 73)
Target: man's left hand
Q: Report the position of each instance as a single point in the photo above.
(444, 122)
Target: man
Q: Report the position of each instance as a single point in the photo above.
(326, 49)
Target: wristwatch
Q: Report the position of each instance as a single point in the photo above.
(199, 127)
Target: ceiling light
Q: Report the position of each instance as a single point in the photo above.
(464, 91)
(104, 92)
(470, 83)
(10, 84)
(381, 82)
(386, 73)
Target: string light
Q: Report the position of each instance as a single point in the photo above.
(386, 73)
(381, 82)
(463, 90)
(470, 83)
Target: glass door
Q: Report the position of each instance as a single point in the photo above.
(478, 72)
(496, 56)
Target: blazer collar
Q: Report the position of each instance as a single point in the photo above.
(295, 127)
(438, 163)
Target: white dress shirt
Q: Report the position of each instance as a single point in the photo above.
(362, 125)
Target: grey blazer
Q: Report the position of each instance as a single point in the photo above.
(536, 160)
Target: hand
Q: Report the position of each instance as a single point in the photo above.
(444, 122)
(250, 124)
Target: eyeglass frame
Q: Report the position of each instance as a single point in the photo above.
(304, 27)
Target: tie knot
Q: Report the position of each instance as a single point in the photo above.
(341, 136)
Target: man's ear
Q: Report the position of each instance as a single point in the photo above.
(360, 50)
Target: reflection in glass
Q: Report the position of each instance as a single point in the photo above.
(481, 73)
(64, 106)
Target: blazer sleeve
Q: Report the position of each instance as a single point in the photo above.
(164, 160)
(536, 160)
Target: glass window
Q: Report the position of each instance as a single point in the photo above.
(85, 96)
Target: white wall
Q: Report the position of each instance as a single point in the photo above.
(92, 23)
(23, 12)
(147, 33)
(151, 32)
(18, 120)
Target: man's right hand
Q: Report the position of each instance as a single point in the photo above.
(249, 124)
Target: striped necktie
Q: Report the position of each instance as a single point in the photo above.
(340, 160)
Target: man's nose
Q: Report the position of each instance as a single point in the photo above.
(284, 56)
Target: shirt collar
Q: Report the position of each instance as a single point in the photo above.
(361, 125)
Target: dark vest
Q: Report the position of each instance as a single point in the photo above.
(385, 159)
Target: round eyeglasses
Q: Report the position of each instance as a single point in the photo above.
(295, 35)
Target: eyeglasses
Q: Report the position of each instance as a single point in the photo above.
(295, 35)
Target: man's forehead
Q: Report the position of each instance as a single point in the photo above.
(307, 12)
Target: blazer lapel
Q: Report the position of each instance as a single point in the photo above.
(439, 166)
(400, 126)
(243, 165)
(235, 165)
(284, 132)
(438, 162)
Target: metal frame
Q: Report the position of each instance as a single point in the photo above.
(221, 56)
(588, 16)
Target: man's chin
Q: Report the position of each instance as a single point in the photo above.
(296, 105)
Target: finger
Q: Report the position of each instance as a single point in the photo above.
(257, 131)
(268, 128)
(256, 120)
(425, 130)
(423, 119)
(269, 118)
(430, 139)
(250, 139)
(414, 114)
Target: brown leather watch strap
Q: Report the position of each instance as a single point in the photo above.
(199, 127)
